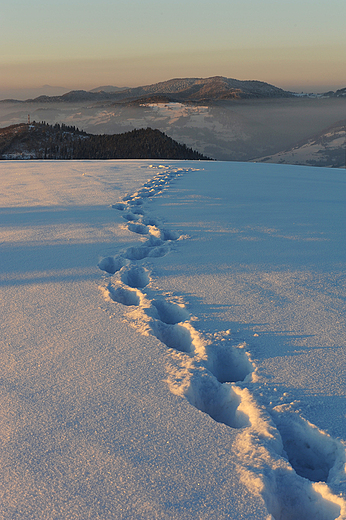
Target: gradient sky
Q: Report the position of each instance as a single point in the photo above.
(298, 44)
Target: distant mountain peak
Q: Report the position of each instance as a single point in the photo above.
(108, 88)
(195, 90)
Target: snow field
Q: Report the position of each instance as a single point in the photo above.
(208, 383)
(281, 457)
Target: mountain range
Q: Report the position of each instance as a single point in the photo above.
(182, 89)
(222, 118)
(196, 90)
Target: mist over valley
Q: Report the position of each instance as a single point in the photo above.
(227, 120)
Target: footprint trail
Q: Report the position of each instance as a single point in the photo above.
(123, 295)
(296, 468)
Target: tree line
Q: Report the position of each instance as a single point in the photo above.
(60, 141)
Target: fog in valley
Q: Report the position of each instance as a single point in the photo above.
(238, 130)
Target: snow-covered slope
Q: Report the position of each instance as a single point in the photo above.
(176, 351)
(327, 149)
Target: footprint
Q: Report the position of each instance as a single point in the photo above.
(123, 295)
(149, 221)
(135, 276)
(137, 210)
(154, 240)
(289, 497)
(170, 313)
(175, 336)
(135, 202)
(119, 205)
(166, 234)
(141, 229)
(158, 252)
(227, 363)
(162, 234)
(202, 390)
(130, 217)
(137, 253)
(147, 192)
(217, 400)
(111, 265)
(140, 252)
(312, 453)
(264, 470)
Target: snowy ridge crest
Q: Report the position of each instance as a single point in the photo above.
(296, 468)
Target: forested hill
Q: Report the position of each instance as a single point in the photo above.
(43, 141)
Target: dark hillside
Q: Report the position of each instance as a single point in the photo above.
(43, 141)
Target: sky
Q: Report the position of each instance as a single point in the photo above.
(293, 44)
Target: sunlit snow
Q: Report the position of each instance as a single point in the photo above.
(173, 341)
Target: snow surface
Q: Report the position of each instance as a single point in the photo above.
(173, 341)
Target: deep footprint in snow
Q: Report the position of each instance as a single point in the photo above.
(147, 192)
(140, 229)
(217, 400)
(158, 252)
(137, 210)
(173, 336)
(123, 295)
(310, 452)
(135, 201)
(166, 234)
(111, 264)
(153, 240)
(140, 252)
(119, 205)
(137, 253)
(228, 364)
(149, 221)
(290, 498)
(202, 390)
(130, 217)
(135, 276)
(170, 313)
